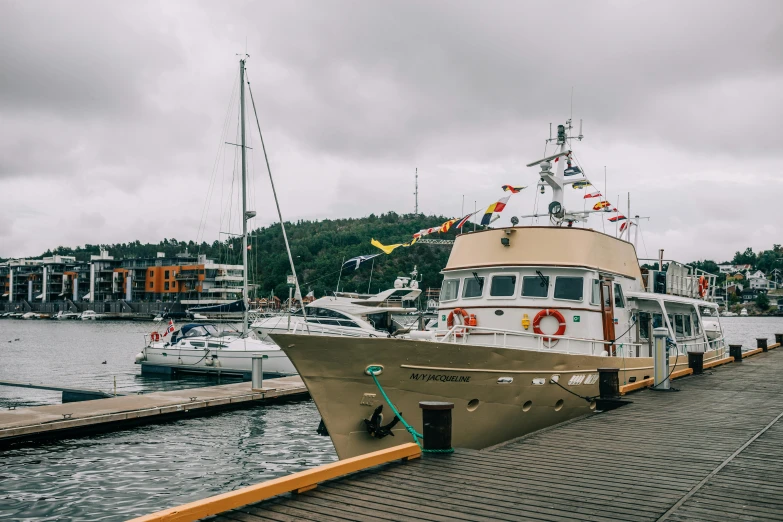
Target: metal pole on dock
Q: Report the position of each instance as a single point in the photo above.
(257, 379)
(660, 360)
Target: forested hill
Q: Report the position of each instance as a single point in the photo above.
(318, 247)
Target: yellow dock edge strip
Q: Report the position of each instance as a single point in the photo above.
(752, 352)
(719, 362)
(773, 345)
(298, 482)
(644, 383)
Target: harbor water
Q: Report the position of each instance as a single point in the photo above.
(119, 475)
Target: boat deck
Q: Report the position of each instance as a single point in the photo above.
(60, 420)
(712, 450)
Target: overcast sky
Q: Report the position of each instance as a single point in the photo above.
(113, 114)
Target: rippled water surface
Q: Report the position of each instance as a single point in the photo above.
(128, 473)
(116, 476)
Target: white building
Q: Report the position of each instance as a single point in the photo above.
(759, 281)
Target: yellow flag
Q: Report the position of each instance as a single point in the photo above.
(388, 249)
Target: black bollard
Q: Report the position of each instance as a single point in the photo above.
(735, 350)
(436, 418)
(761, 342)
(608, 383)
(779, 339)
(696, 362)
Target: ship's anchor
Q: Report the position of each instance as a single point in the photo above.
(374, 427)
(322, 431)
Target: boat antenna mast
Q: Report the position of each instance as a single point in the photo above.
(556, 179)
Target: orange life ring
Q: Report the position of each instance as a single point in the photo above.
(554, 313)
(703, 286)
(155, 336)
(466, 319)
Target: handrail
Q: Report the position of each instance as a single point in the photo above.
(299, 482)
(533, 334)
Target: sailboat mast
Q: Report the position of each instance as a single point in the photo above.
(244, 193)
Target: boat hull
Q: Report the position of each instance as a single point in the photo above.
(276, 365)
(498, 393)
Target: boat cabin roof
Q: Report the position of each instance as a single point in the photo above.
(544, 246)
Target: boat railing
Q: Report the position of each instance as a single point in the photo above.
(459, 333)
(320, 329)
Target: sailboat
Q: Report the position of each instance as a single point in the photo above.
(527, 315)
(199, 346)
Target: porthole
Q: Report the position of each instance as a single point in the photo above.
(632, 379)
(559, 405)
(498, 312)
(527, 406)
(473, 404)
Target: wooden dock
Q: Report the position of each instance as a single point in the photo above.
(710, 451)
(61, 420)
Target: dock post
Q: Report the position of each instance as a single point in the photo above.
(257, 383)
(696, 362)
(779, 339)
(660, 360)
(609, 383)
(761, 342)
(436, 419)
(735, 350)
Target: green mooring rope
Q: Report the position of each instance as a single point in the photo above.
(416, 435)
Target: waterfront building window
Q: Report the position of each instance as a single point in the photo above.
(150, 284)
(619, 300)
(503, 286)
(473, 287)
(534, 286)
(151, 273)
(166, 285)
(450, 290)
(570, 288)
(166, 274)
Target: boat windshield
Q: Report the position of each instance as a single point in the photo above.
(202, 331)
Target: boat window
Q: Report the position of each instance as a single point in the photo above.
(571, 288)
(211, 330)
(658, 321)
(503, 286)
(534, 286)
(381, 321)
(644, 325)
(450, 289)
(679, 325)
(595, 292)
(688, 329)
(473, 287)
(696, 325)
(197, 331)
(619, 300)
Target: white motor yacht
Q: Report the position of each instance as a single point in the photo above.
(64, 316)
(349, 314)
(743, 312)
(91, 315)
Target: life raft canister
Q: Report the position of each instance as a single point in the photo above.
(467, 319)
(554, 313)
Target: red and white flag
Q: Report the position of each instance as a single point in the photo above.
(592, 195)
(170, 329)
(623, 226)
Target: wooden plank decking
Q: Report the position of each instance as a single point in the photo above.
(119, 412)
(712, 451)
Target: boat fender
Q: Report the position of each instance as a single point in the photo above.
(373, 424)
(139, 356)
(554, 313)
